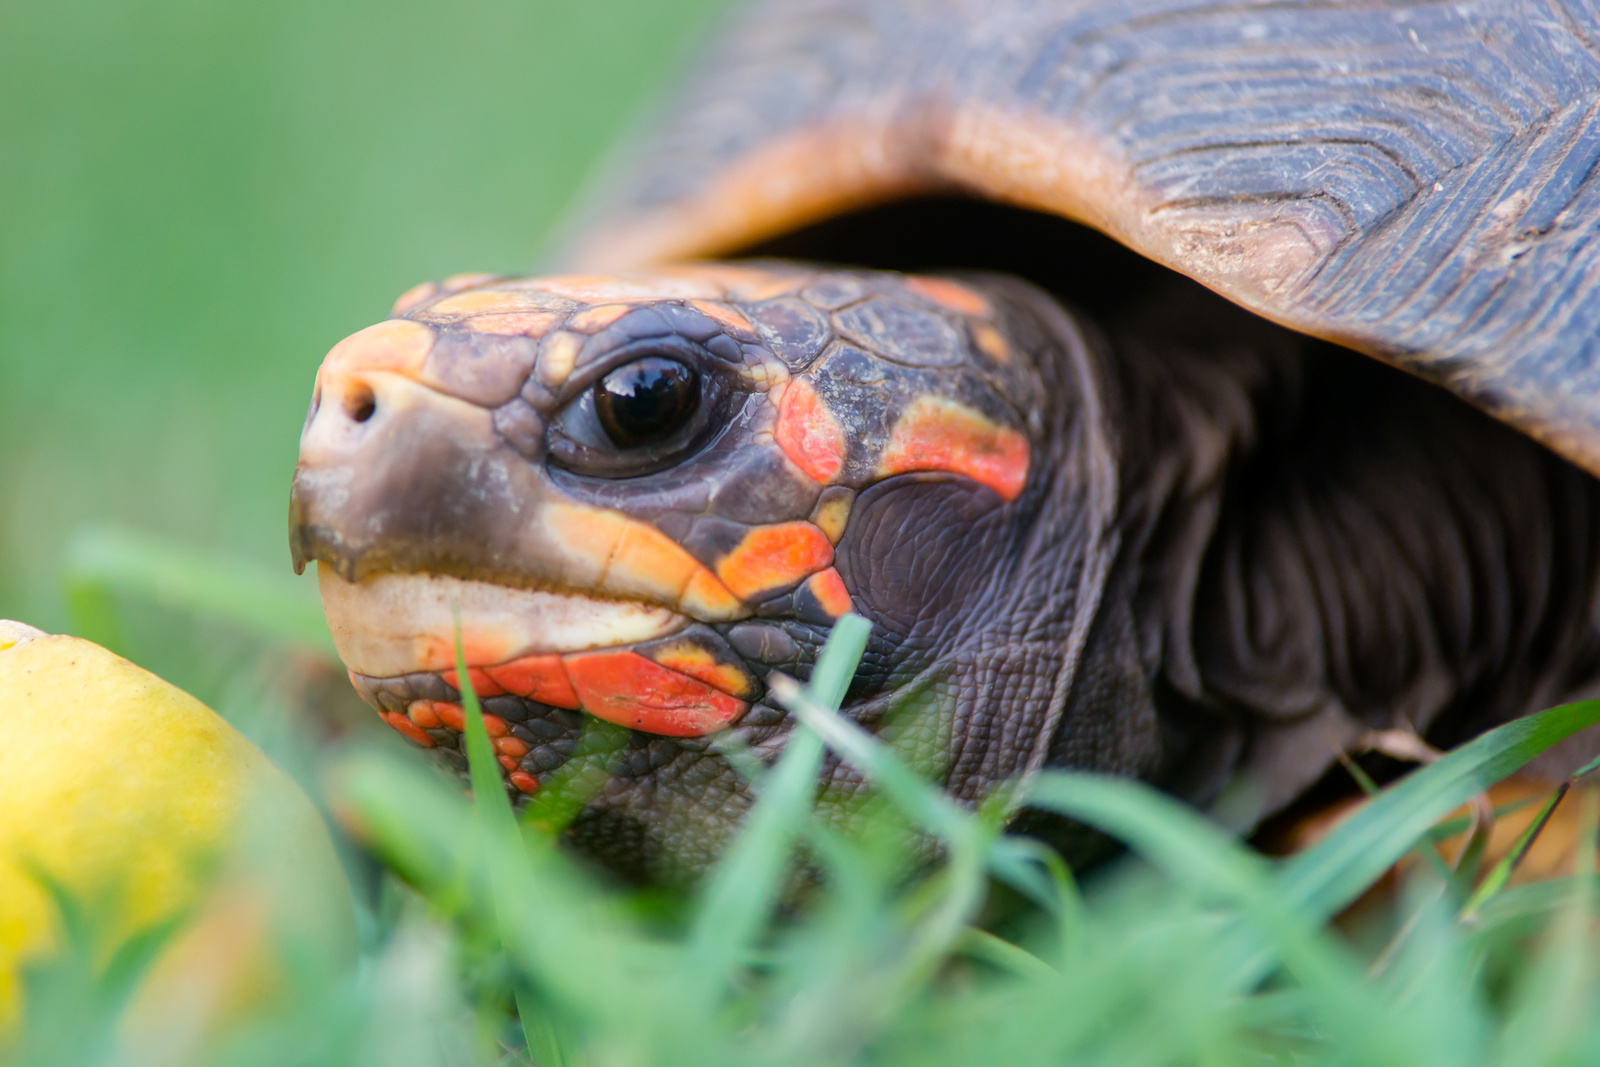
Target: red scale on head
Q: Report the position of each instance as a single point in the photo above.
(625, 688)
(808, 433)
(483, 683)
(830, 591)
(938, 434)
(410, 729)
(540, 678)
(450, 714)
(704, 665)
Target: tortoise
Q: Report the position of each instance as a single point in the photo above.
(1181, 390)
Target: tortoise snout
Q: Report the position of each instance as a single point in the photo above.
(391, 472)
(351, 409)
(356, 399)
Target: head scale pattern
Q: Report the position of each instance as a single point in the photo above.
(454, 457)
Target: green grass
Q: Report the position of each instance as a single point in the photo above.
(819, 942)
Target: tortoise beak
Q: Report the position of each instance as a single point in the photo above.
(391, 473)
(434, 530)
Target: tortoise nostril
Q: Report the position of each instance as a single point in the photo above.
(361, 405)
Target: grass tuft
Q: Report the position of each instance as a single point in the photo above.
(815, 942)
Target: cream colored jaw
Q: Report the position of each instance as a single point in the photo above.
(402, 623)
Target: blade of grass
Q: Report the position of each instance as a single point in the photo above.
(1003, 955)
(565, 791)
(571, 933)
(1333, 872)
(180, 577)
(1587, 855)
(1176, 838)
(746, 882)
(1554, 996)
(1198, 855)
(1037, 871)
(501, 840)
(928, 806)
(1501, 872)
(1461, 823)
(951, 897)
(837, 663)
(744, 886)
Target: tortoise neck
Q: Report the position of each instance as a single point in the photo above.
(1314, 545)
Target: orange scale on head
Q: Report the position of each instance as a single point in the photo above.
(690, 659)
(482, 683)
(523, 781)
(587, 538)
(514, 323)
(830, 591)
(990, 343)
(601, 288)
(948, 294)
(510, 746)
(410, 729)
(539, 677)
(772, 557)
(706, 598)
(624, 556)
(727, 318)
(450, 714)
(422, 713)
(625, 688)
(809, 434)
(556, 357)
(767, 375)
(483, 301)
(400, 346)
(647, 561)
(594, 319)
(832, 514)
(938, 434)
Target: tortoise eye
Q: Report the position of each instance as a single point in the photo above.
(646, 401)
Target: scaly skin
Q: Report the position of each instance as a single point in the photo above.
(1029, 514)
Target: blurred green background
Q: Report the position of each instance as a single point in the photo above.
(198, 198)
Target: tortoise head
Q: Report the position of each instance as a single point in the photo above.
(642, 494)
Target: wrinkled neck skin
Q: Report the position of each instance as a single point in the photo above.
(1308, 546)
(986, 608)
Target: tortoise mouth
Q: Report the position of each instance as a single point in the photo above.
(392, 624)
(539, 661)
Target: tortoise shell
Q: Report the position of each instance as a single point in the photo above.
(1410, 180)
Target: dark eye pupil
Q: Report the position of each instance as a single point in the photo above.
(646, 401)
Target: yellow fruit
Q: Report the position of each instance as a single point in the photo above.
(144, 805)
